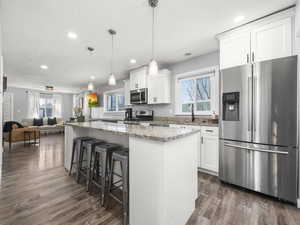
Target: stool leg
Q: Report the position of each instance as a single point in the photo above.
(110, 180)
(78, 146)
(89, 163)
(103, 165)
(72, 157)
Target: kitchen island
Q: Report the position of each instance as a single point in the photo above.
(162, 168)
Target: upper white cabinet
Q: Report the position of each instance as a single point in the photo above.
(138, 78)
(127, 92)
(159, 88)
(266, 40)
(272, 41)
(235, 50)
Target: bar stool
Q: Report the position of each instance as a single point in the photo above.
(85, 155)
(90, 148)
(101, 167)
(123, 158)
(77, 143)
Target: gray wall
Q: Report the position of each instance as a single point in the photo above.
(200, 62)
(21, 103)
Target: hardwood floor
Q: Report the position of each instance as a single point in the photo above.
(36, 190)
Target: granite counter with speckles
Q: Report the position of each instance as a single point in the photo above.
(157, 133)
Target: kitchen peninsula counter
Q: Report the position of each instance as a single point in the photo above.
(162, 167)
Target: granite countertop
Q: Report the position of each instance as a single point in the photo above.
(157, 133)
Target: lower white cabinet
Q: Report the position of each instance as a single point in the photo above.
(209, 149)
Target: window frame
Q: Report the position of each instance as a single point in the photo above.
(45, 108)
(212, 73)
(106, 93)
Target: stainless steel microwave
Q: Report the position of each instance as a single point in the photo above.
(139, 96)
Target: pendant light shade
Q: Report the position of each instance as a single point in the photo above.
(112, 80)
(91, 86)
(153, 68)
(153, 65)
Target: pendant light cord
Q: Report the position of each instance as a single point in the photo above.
(112, 54)
(153, 31)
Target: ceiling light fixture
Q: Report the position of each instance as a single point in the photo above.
(44, 67)
(93, 77)
(132, 61)
(112, 79)
(153, 65)
(72, 35)
(90, 86)
(239, 19)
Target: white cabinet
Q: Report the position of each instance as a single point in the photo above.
(209, 149)
(138, 78)
(272, 41)
(235, 50)
(127, 92)
(264, 41)
(159, 88)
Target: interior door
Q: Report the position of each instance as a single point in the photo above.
(275, 102)
(237, 80)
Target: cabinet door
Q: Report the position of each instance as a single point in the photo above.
(235, 50)
(138, 78)
(127, 92)
(272, 41)
(210, 153)
(159, 91)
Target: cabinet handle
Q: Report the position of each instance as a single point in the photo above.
(209, 131)
(154, 99)
(247, 58)
(201, 140)
(252, 56)
(136, 86)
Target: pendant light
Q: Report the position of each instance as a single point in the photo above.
(153, 65)
(112, 79)
(91, 86)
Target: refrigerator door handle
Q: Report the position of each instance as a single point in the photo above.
(256, 149)
(249, 103)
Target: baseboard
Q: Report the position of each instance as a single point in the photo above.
(208, 172)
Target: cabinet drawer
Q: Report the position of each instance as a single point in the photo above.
(210, 131)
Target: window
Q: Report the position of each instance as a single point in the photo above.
(46, 106)
(114, 101)
(196, 89)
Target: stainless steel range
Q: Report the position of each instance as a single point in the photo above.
(258, 127)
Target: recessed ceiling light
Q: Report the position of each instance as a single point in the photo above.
(188, 54)
(93, 77)
(133, 61)
(239, 19)
(44, 67)
(72, 35)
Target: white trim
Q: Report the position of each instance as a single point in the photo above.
(212, 72)
(119, 90)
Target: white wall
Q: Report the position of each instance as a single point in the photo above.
(21, 104)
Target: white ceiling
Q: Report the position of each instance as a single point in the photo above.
(35, 33)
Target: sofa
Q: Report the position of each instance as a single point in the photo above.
(17, 134)
(45, 128)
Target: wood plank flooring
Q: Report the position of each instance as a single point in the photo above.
(36, 190)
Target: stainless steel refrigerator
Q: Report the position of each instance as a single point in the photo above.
(258, 127)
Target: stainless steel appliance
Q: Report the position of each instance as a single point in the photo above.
(258, 127)
(128, 114)
(139, 96)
